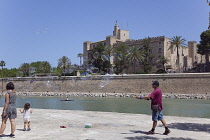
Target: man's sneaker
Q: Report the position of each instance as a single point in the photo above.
(167, 132)
(24, 129)
(29, 129)
(150, 133)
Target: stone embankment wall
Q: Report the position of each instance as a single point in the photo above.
(128, 84)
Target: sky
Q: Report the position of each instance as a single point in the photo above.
(46, 30)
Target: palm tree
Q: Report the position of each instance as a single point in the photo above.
(177, 42)
(2, 64)
(163, 60)
(25, 68)
(64, 62)
(46, 67)
(134, 55)
(148, 56)
(80, 55)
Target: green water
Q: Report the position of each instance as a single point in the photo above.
(172, 107)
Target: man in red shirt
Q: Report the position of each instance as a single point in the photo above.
(156, 107)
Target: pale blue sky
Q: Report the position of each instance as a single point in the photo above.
(45, 30)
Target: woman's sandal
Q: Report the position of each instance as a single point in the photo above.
(11, 135)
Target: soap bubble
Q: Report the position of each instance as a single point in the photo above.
(57, 87)
(49, 83)
(94, 70)
(83, 77)
(71, 70)
(96, 55)
(41, 30)
(92, 61)
(102, 84)
(68, 70)
(105, 57)
(104, 81)
(31, 81)
(119, 56)
(115, 70)
(73, 81)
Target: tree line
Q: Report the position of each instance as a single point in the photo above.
(39, 67)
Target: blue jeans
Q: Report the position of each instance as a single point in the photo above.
(157, 115)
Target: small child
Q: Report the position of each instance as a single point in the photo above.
(26, 116)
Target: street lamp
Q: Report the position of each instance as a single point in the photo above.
(207, 1)
(2, 64)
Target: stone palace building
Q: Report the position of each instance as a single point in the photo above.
(159, 46)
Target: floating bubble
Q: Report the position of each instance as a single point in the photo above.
(104, 81)
(92, 61)
(10, 79)
(94, 70)
(71, 70)
(41, 30)
(105, 57)
(31, 81)
(115, 70)
(96, 55)
(83, 78)
(48, 83)
(73, 81)
(119, 56)
(57, 87)
(102, 84)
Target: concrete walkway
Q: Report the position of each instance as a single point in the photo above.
(46, 124)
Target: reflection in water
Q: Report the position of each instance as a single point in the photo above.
(172, 107)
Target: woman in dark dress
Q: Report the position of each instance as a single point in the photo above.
(9, 110)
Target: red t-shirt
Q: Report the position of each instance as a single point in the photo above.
(156, 97)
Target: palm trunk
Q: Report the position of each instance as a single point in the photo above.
(80, 61)
(207, 57)
(178, 63)
(164, 66)
(134, 66)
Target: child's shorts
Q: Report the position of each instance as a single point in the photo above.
(26, 120)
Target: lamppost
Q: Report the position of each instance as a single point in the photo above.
(2, 64)
(208, 1)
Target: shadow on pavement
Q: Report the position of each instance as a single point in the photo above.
(153, 138)
(138, 131)
(191, 127)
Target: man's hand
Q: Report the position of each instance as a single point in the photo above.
(139, 97)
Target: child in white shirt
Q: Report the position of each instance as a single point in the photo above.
(26, 116)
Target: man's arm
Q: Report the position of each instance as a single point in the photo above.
(144, 97)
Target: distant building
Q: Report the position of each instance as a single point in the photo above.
(159, 46)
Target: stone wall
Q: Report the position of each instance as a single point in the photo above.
(169, 83)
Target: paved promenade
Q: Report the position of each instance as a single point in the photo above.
(46, 124)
